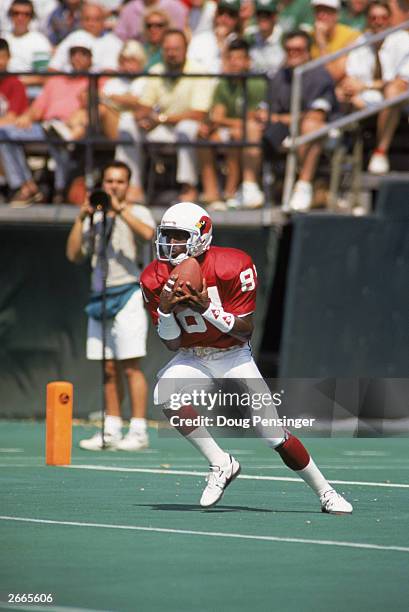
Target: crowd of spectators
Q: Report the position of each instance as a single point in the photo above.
(222, 40)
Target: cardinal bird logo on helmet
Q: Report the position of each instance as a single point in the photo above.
(204, 225)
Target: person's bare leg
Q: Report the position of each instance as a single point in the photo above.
(310, 154)
(388, 119)
(252, 155)
(209, 174)
(137, 386)
(233, 171)
(109, 119)
(113, 388)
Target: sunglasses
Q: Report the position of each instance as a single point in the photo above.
(16, 13)
(264, 14)
(296, 49)
(158, 24)
(223, 11)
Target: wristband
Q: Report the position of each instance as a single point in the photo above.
(168, 328)
(224, 321)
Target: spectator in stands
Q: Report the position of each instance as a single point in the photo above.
(226, 124)
(60, 99)
(155, 24)
(207, 48)
(329, 35)
(13, 98)
(120, 95)
(105, 45)
(29, 51)
(318, 102)
(130, 22)
(171, 110)
(377, 72)
(42, 10)
(295, 14)
(266, 51)
(63, 20)
(354, 14)
(201, 16)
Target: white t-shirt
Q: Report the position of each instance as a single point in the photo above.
(393, 56)
(204, 50)
(119, 86)
(105, 51)
(25, 49)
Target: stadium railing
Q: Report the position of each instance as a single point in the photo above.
(295, 140)
(94, 138)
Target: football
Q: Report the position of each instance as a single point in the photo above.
(189, 270)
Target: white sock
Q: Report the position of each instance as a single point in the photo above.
(201, 439)
(314, 478)
(113, 424)
(137, 425)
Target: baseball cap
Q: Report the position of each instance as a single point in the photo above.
(334, 4)
(269, 6)
(231, 5)
(81, 47)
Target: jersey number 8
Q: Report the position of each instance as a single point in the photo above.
(247, 278)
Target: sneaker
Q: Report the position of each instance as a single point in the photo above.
(217, 481)
(234, 202)
(252, 196)
(333, 503)
(378, 164)
(301, 198)
(95, 443)
(57, 128)
(217, 205)
(133, 441)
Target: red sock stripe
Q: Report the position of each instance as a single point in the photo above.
(185, 412)
(293, 453)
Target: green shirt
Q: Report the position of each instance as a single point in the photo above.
(230, 94)
(296, 14)
(358, 22)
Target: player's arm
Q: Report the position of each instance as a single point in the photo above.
(74, 250)
(168, 328)
(238, 327)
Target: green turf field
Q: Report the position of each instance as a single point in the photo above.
(123, 531)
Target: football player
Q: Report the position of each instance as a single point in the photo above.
(210, 330)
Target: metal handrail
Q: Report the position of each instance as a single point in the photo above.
(93, 138)
(295, 108)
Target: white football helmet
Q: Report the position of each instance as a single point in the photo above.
(186, 217)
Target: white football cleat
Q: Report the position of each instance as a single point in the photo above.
(333, 503)
(217, 481)
(95, 443)
(133, 441)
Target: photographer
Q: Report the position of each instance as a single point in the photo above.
(126, 226)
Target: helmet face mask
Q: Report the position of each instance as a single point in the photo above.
(192, 229)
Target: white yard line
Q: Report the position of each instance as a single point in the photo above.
(213, 534)
(243, 476)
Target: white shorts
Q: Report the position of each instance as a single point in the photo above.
(201, 366)
(126, 333)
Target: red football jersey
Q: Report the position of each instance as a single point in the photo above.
(231, 282)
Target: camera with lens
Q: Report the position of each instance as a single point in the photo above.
(100, 200)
